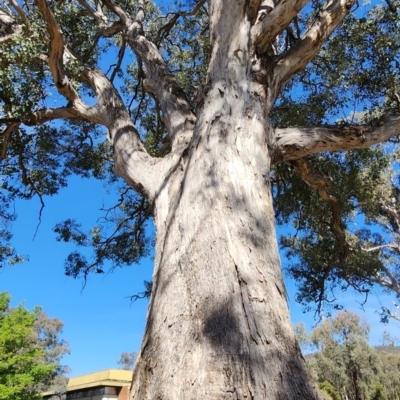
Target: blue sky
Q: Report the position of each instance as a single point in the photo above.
(99, 321)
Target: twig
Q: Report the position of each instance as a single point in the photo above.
(121, 54)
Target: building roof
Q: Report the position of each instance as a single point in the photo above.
(107, 377)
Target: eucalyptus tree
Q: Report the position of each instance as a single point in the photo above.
(343, 362)
(48, 332)
(194, 124)
(344, 357)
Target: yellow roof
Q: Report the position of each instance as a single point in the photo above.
(107, 377)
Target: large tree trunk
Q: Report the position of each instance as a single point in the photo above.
(218, 323)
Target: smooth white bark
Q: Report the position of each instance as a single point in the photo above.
(267, 28)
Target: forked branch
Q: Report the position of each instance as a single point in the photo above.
(132, 162)
(165, 29)
(266, 29)
(178, 117)
(97, 13)
(296, 59)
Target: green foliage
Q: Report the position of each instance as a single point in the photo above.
(353, 79)
(345, 365)
(318, 262)
(30, 351)
(378, 393)
(366, 186)
(125, 246)
(390, 358)
(326, 387)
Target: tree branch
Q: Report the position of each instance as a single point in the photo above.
(178, 117)
(6, 138)
(19, 10)
(121, 54)
(119, 11)
(165, 29)
(391, 284)
(383, 246)
(297, 142)
(109, 31)
(131, 159)
(41, 116)
(132, 162)
(96, 14)
(322, 183)
(268, 27)
(5, 19)
(296, 59)
(395, 222)
(56, 53)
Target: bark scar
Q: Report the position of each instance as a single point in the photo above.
(241, 281)
(216, 118)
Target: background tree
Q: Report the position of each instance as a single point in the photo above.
(345, 365)
(198, 127)
(48, 332)
(127, 360)
(30, 351)
(390, 358)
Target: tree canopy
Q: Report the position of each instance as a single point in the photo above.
(345, 365)
(342, 206)
(30, 351)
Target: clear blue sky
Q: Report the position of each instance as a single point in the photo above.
(99, 320)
